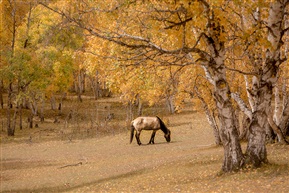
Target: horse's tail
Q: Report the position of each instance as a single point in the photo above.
(131, 132)
(162, 125)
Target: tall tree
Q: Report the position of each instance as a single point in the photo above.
(12, 15)
(267, 78)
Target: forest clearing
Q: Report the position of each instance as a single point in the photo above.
(74, 74)
(49, 161)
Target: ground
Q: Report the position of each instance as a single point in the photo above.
(190, 163)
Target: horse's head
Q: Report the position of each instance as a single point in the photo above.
(168, 136)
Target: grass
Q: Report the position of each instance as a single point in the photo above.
(45, 159)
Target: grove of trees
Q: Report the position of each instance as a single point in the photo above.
(229, 54)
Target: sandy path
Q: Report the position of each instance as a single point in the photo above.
(71, 166)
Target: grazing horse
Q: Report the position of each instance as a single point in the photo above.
(149, 123)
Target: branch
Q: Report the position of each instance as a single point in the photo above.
(249, 95)
(130, 41)
(208, 75)
(241, 72)
(178, 24)
(77, 164)
(242, 105)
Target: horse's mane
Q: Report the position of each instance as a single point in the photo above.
(163, 126)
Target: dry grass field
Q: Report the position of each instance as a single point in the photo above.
(87, 154)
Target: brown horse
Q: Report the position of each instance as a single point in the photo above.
(149, 123)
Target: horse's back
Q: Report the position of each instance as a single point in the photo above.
(146, 123)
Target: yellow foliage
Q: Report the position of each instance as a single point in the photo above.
(145, 27)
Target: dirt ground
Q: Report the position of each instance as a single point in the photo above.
(190, 163)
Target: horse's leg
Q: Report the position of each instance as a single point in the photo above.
(152, 140)
(137, 136)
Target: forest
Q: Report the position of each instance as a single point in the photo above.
(228, 57)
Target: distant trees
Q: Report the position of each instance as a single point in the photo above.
(39, 58)
(13, 60)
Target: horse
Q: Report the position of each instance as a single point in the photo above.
(149, 123)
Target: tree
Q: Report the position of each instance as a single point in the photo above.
(13, 14)
(38, 57)
(268, 22)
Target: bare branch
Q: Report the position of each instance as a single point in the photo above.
(179, 23)
(242, 105)
(242, 72)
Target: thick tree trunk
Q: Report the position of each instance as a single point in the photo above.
(233, 155)
(229, 133)
(256, 149)
(215, 71)
(263, 88)
(245, 128)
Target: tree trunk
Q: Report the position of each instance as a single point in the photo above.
(277, 109)
(277, 130)
(10, 130)
(263, 87)
(78, 89)
(20, 117)
(215, 71)
(129, 113)
(30, 120)
(285, 119)
(53, 102)
(170, 103)
(233, 155)
(1, 93)
(60, 105)
(229, 133)
(262, 91)
(94, 82)
(140, 107)
(42, 109)
(256, 149)
(245, 128)
(14, 120)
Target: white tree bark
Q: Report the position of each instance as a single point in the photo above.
(250, 98)
(256, 148)
(278, 105)
(242, 105)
